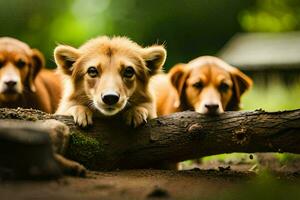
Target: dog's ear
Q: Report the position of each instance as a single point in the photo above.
(241, 83)
(155, 57)
(38, 62)
(65, 57)
(178, 75)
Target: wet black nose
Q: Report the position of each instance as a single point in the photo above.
(212, 107)
(110, 98)
(10, 84)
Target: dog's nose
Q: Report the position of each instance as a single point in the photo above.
(110, 98)
(10, 84)
(211, 108)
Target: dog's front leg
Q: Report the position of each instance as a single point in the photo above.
(59, 135)
(69, 166)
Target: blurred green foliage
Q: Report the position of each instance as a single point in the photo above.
(271, 16)
(188, 28)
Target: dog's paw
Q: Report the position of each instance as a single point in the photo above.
(70, 167)
(136, 116)
(76, 170)
(82, 115)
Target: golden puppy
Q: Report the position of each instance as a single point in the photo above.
(23, 81)
(108, 76)
(206, 85)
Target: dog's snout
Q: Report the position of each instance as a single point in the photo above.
(211, 107)
(10, 84)
(110, 98)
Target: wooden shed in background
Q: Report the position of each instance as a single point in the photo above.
(265, 56)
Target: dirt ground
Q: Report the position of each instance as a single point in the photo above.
(213, 180)
(131, 184)
(134, 184)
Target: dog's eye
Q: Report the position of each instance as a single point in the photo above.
(92, 71)
(224, 87)
(198, 85)
(20, 63)
(128, 72)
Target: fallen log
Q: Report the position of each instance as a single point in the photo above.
(108, 144)
(26, 151)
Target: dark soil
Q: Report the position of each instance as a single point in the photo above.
(135, 184)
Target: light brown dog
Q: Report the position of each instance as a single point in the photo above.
(206, 85)
(23, 81)
(108, 77)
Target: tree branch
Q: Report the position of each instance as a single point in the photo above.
(108, 144)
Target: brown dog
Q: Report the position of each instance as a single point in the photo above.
(108, 76)
(206, 84)
(23, 81)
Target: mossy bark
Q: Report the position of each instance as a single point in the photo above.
(109, 144)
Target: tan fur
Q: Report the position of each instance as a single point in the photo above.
(59, 134)
(203, 81)
(110, 57)
(34, 87)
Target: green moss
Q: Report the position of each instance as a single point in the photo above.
(85, 149)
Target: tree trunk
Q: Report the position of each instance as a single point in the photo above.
(108, 144)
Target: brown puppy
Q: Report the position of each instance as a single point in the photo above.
(108, 76)
(23, 81)
(206, 84)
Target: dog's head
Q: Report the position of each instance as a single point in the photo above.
(209, 85)
(19, 65)
(110, 73)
